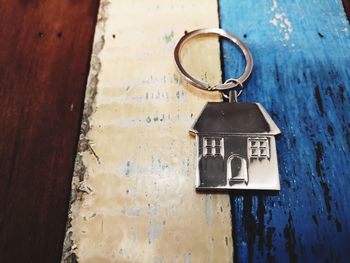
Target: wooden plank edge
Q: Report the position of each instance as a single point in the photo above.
(79, 189)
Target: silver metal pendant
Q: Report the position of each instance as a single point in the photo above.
(235, 142)
(236, 147)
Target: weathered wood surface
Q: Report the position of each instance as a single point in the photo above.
(134, 198)
(302, 77)
(44, 60)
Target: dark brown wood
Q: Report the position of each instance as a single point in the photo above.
(45, 49)
(346, 4)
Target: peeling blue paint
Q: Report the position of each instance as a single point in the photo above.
(301, 51)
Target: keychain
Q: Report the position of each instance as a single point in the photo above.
(235, 141)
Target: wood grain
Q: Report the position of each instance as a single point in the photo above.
(44, 60)
(301, 76)
(140, 202)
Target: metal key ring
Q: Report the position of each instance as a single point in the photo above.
(203, 85)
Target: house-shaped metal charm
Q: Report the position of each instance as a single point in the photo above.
(236, 147)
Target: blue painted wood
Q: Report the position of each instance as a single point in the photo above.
(302, 77)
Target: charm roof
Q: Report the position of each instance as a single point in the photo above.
(234, 118)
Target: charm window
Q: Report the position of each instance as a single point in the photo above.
(258, 148)
(213, 146)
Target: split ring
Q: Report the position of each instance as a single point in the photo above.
(201, 84)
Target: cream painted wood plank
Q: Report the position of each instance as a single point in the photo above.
(133, 192)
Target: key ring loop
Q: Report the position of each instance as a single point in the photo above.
(201, 84)
(234, 93)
